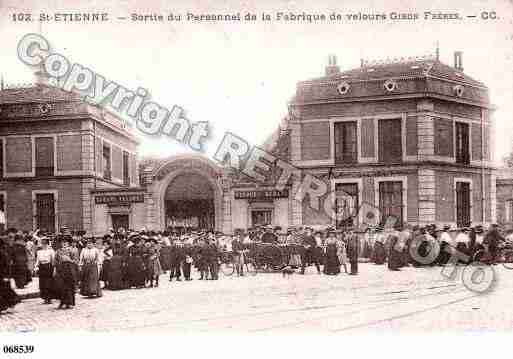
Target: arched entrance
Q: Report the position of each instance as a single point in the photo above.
(185, 187)
(189, 202)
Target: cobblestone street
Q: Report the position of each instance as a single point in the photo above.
(377, 299)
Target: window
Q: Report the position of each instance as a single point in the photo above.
(508, 213)
(391, 200)
(345, 142)
(126, 173)
(261, 217)
(462, 143)
(444, 140)
(1, 158)
(44, 153)
(45, 212)
(390, 141)
(463, 204)
(106, 162)
(3, 220)
(346, 204)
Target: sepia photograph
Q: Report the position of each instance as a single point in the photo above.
(288, 168)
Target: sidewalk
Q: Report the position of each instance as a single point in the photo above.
(30, 291)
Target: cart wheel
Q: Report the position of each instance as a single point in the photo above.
(227, 268)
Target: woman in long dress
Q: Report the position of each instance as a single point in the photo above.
(116, 267)
(8, 297)
(89, 265)
(20, 270)
(342, 253)
(394, 256)
(45, 261)
(332, 263)
(136, 270)
(379, 254)
(65, 275)
(153, 267)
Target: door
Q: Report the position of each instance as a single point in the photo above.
(391, 200)
(463, 204)
(346, 204)
(390, 141)
(45, 212)
(261, 217)
(120, 221)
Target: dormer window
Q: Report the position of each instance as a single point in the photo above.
(390, 85)
(343, 88)
(458, 90)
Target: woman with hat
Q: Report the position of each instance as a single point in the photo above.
(44, 266)
(153, 267)
(136, 270)
(341, 250)
(332, 263)
(89, 265)
(378, 252)
(65, 275)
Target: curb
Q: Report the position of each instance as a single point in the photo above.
(31, 295)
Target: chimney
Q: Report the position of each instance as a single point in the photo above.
(458, 60)
(332, 67)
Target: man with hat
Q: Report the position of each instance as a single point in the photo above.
(353, 247)
(309, 254)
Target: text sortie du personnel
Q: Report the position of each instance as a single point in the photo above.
(286, 17)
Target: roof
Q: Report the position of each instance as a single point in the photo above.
(410, 68)
(37, 94)
(424, 77)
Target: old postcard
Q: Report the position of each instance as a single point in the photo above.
(253, 167)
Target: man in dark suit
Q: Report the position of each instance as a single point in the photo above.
(309, 254)
(352, 252)
(176, 254)
(212, 253)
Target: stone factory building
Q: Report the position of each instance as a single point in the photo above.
(411, 138)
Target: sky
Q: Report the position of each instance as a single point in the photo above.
(240, 76)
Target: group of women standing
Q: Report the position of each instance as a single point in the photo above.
(61, 269)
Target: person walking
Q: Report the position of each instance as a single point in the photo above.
(309, 254)
(352, 252)
(20, 269)
(65, 275)
(44, 266)
(332, 263)
(342, 251)
(89, 265)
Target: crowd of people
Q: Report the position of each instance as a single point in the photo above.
(71, 262)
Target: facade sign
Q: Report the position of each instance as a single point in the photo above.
(118, 199)
(262, 194)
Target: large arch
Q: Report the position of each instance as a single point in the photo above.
(188, 165)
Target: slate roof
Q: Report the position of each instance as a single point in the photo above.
(403, 69)
(36, 94)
